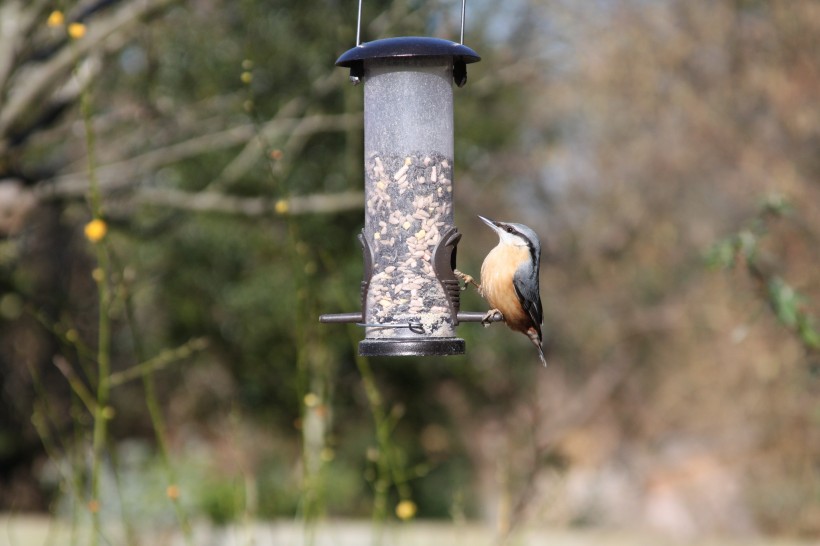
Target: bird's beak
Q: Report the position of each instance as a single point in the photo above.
(492, 223)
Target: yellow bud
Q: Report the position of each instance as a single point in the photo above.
(246, 77)
(76, 30)
(311, 400)
(95, 230)
(55, 19)
(98, 274)
(172, 491)
(406, 509)
(281, 207)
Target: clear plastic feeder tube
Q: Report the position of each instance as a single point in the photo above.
(408, 164)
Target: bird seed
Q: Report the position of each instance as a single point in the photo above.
(408, 207)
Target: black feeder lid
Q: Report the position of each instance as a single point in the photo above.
(409, 46)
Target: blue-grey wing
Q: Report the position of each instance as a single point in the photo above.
(526, 288)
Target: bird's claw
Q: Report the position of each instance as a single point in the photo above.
(493, 315)
(466, 279)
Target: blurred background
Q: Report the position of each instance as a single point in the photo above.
(164, 363)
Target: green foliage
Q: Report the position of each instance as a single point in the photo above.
(724, 253)
(791, 309)
(743, 248)
(220, 500)
(785, 300)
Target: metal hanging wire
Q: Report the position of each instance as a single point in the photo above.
(359, 23)
(463, 11)
(359, 26)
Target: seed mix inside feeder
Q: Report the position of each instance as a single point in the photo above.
(408, 212)
(410, 296)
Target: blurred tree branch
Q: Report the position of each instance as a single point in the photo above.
(250, 154)
(115, 176)
(165, 358)
(250, 206)
(26, 83)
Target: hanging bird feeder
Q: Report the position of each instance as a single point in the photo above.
(409, 293)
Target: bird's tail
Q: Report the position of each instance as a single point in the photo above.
(536, 340)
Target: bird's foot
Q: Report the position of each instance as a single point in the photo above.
(466, 279)
(493, 315)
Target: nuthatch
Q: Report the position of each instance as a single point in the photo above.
(509, 280)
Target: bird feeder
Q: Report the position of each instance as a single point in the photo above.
(409, 293)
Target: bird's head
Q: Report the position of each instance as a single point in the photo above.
(514, 234)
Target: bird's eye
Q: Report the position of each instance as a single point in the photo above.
(509, 229)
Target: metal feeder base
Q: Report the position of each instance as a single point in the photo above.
(438, 346)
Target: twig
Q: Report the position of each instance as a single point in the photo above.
(158, 362)
(76, 384)
(101, 415)
(155, 412)
(251, 206)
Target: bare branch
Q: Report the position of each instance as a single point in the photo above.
(250, 206)
(163, 359)
(250, 154)
(17, 18)
(39, 82)
(125, 173)
(79, 388)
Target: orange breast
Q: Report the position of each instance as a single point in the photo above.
(497, 284)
